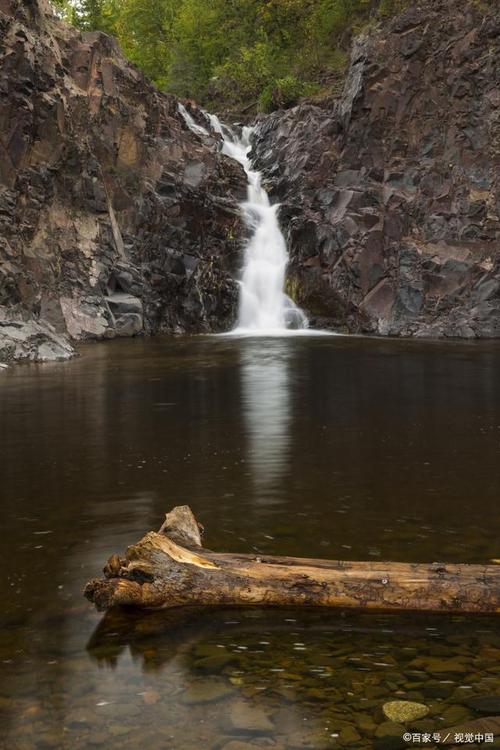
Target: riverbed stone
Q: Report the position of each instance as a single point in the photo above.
(365, 723)
(215, 662)
(436, 665)
(349, 735)
(454, 714)
(389, 736)
(257, 743)
(487, 724)
(206, 691)
(248, 718)
(403, 712)
(484, 704)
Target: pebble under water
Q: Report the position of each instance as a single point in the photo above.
(328, 447)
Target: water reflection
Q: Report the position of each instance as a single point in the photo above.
(310, 447)
(265, 384)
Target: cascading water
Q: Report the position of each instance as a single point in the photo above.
(190, 122)
(264, 308)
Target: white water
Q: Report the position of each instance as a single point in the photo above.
(192, 125)
(264, 308)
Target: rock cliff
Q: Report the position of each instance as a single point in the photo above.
(391, 193)
(115, 219)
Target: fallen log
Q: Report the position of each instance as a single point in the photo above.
(170, 568)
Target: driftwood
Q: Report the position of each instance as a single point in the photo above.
(170, 568)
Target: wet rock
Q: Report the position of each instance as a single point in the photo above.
(150, 697)
(436, 665)
(389, 736)
(254, 744)
(216, 662)
(120, 730)
(486, 725)
(403, 712)
(32, 341)
(484, 704)
(121, 304)
(365, 723)
(454, 714)
(206, 691)
(204, 650)
(438, 689)
(248, 718)
(349, 736)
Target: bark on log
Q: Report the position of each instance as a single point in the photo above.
(170, 568)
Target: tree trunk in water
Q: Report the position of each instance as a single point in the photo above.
(170, 568)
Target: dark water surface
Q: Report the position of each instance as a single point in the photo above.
(329, 447)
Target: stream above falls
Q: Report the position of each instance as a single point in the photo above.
(334, 447)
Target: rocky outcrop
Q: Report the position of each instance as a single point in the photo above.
(115, 219)
(391, 194)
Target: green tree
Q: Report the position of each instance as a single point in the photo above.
(63, 8)
(93, 15)
(145, 32)
(240, 52)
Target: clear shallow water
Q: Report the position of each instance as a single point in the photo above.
(328, 446)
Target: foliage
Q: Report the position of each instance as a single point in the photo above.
(145, 31)
(233, 52)
(284, 92)
(63, 8)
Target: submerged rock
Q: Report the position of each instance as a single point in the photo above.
(207, 691)
(485, 704)
(487, 725)
(115, 219)
(247, 718)
(404, 711)
(391, 192)
(389, 736)
(436, 665)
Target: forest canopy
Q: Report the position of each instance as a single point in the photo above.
(265, 53)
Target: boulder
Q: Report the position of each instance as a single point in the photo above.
(32, 341)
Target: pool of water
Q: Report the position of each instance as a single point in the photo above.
(316, 446)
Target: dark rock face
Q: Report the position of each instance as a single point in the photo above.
(115, 219)
(391, 195)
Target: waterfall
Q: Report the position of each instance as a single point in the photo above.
(264, 308)
(190, 122)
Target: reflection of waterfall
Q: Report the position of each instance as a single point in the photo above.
(265, 378)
